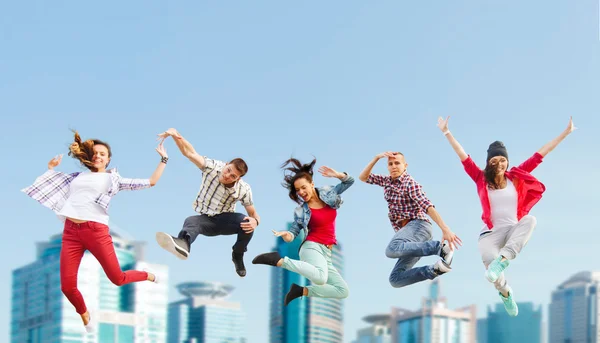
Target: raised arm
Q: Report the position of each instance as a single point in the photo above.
(346, 179)
(185, 147)
(443, 125)
(127, 184)
(553, 143)
(364, 175)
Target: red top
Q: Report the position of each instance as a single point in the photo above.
(321, 226)
(529, 189)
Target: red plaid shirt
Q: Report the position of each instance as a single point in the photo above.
(405, 198)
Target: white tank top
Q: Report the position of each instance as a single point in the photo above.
(503, 205)
(84, 190)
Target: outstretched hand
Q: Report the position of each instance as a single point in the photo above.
(443, 123)
(170, 132)
(285, 235)
(571, 127)
(452, 239)
(161, 149)
(55, 161)
(329, 172)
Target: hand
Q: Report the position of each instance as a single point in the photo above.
(161, 149)
(250, 225)
(443, 123)
(55, 161)
(328, 172)
(385, 154)
(285, 235)
(570, 127)
(451, 238)
(170, 132)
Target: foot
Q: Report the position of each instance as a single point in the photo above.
(295, 292)
(440, 267)
(238, 261)
(509, 303)
(176, 246)
(495, 269)
(446, 254)
(87, 321)
(270, 258)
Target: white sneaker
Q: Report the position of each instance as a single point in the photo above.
(89, 328)
(440, 267)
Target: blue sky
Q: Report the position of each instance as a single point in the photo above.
(340, 81)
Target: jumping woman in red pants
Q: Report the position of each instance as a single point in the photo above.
(81, 200)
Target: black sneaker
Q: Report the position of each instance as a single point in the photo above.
(446, 254)
(238, 261)
(295, 292)
(270, 258)
(177, 246)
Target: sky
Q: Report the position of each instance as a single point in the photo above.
(338, 81)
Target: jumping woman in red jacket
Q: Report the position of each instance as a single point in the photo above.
(506, 197)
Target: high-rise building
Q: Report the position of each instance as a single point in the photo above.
(482, 330)
(132, 313)
(205, 315)
(525, 328)
(434, 322)
(377, 332)
(574, 310)
(304, 320)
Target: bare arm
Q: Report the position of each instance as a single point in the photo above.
(447, 235)
(185, 147)
(443, 125)
(553, 143)
(364, 175)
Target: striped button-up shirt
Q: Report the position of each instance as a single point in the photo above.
(405, 198)
(52, 189)
(213, 197)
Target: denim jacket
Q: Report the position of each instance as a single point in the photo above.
(330, 195)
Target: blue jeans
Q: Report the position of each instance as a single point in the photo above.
(408, 245)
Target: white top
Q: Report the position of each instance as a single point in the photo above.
(503, 204)
(83, 191)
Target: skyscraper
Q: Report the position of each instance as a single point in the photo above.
(205, 315)
(304, 320)
(131, 313)
(525, 328)
(575, 311)
(434, 322)
(377, 332)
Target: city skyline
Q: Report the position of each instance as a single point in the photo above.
(338, 82)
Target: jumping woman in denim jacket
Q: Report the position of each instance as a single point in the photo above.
(81, 200)
(316, 218)
(506, 198)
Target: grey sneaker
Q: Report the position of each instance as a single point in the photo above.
(176, 246)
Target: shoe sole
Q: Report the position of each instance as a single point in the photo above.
(443, 267)
(166, 242)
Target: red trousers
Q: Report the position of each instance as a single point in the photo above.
(92, 236)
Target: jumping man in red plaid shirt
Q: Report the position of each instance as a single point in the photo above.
(408, 210)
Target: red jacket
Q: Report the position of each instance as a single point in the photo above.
(529, 189)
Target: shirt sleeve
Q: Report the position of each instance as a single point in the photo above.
(376, 179)
(246, 200)
(472, 169)
(531, 163)
(212, 164)
(126, 184)
(416, 193)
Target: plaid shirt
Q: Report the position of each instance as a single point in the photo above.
(52, 188)
(405, 198)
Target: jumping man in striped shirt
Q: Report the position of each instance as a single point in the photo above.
(408, 210)
(222, 186)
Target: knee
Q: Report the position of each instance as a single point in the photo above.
(320, 280)
(529, 220)
(394, 282)
(344, 292)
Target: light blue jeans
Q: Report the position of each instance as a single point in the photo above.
(408, 245)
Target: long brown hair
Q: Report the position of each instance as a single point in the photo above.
(490, 172)
(84, 151)
(299, 171)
